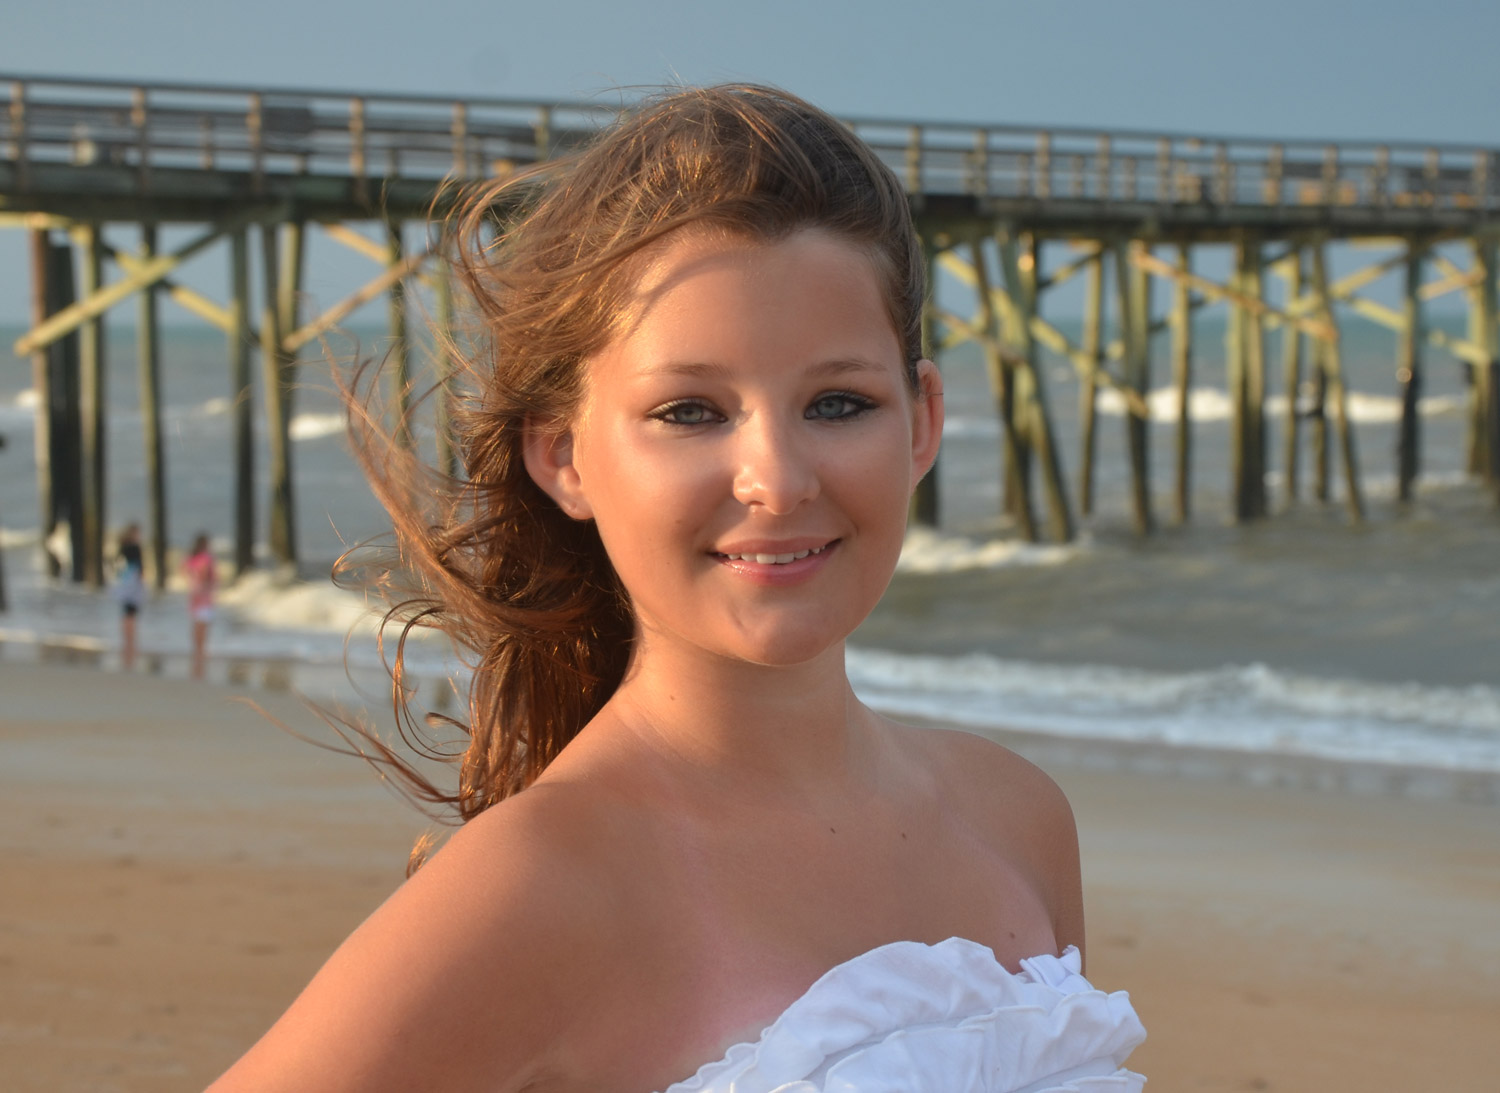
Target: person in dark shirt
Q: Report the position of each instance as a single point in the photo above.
(130, 590)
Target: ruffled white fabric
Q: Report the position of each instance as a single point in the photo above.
(945, 1018)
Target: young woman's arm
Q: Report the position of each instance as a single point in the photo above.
(474, 975)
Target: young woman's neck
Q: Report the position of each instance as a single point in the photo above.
(796, 724)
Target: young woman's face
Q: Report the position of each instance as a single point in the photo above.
(748, 445)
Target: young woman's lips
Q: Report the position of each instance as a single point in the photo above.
(777, 564)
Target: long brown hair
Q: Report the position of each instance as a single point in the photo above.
(545, 257)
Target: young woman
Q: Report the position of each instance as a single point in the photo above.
(692, 859)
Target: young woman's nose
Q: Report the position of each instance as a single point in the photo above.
(775, 470)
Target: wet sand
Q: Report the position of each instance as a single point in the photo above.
(173, 868)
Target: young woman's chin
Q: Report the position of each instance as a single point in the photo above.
(771, 644)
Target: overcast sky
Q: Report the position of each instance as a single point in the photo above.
(1368, 69)
(1372, 68)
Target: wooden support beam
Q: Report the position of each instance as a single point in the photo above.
(447, 369)
(1448, 266)
(93, 406)
(35, 221)
(1351, 283)
(1409, 377)
(1492, 437)
(1280, 261)
(288, 308)
(1318, 414)
(1134, 288)
(1484, 333)
(275, 383)
(241, 400)
(1134, 318)
(195, 302)
(360, 244)
(1048, 335)
(1255, 380)
(1054, 482)
(1333, 370)
(64, 409)
(1088, 384)
(1066, 272)
(1015, 461)
(148, 363)
(1452, 283)
(97, 303)
(355, 300)
(956, 330)
(1464, 349)
(1378, 313)
(293, 267)
(1235, 369)
(1030, 393)
(40, 245)
(926, 499)
(398, 356)
(1291, 373)
(1182, 378)
(1273, 316)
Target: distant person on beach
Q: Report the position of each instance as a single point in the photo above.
(690, 858)
(198, 567)
(130, 590)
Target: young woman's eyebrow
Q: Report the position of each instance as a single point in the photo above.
(713, 370)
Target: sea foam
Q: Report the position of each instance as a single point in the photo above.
(1251, 708)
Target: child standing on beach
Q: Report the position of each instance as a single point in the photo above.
(691, 859)
(198, 567)
(130, 590)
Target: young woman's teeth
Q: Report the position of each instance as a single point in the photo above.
(773, 559)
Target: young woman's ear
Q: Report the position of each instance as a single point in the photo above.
(927, 420)
(548, 451)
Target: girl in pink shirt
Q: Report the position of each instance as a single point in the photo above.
(199, 568)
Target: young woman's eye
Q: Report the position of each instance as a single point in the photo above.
(838, 406)
(685, 412)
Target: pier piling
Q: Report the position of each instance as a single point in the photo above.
(93, 408)
(1292, 340)
(1409, 375)
(1182, 380)
(148, 361)
(241, 400)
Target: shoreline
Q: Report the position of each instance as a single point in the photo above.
(333, 681)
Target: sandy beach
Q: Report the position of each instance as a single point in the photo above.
(173, 867)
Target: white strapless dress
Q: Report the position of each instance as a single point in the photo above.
(945, 1018)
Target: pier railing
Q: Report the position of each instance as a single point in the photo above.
(142, 129)
(1152, 168)
(259, 133)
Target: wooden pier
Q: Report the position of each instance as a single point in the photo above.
(263, 167)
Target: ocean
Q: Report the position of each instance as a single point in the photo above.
(1301, 636)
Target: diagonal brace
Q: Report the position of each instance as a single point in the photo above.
(149, 273)
(190, 299)
(335, 314)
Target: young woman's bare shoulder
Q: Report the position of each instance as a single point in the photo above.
(990, 773)
(1018, 809)
(480, 972)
